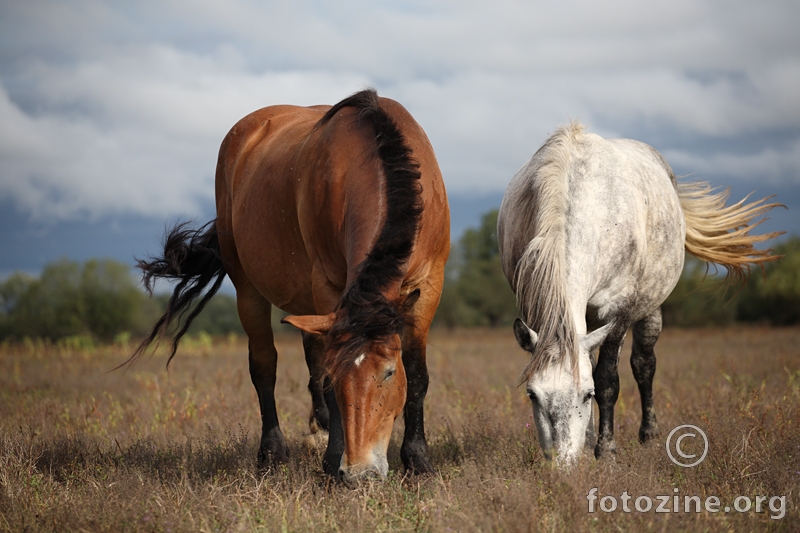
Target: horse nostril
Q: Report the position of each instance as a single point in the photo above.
(371, 474)
(342, 472)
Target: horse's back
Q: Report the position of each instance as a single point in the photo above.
(625, 188)
(635, 222)
(601, 192)
(260, 238)
(616, 212)
(299, 205)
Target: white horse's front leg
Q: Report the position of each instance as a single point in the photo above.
(606, 383)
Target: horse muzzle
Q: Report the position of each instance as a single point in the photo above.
(374, 470)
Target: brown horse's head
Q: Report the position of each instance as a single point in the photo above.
(363, 358)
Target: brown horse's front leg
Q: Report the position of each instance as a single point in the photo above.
(414, 451)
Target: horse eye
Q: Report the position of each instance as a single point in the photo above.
(588, 397)
(532, 396)
(389, 374)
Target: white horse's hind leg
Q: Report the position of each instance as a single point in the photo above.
(643, 363)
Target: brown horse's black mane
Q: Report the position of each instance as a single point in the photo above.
(365, 314)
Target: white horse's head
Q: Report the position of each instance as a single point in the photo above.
(562, 405)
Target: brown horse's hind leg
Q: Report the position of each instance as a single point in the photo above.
(255, 312)
(643, 363)
(332, 458)
(313, 346)
(414, 451)
(272, 448)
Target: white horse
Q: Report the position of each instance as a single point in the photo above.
(592, 234)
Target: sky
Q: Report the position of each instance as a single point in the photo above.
(111, 113)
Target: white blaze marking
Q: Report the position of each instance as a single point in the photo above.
(360, 359)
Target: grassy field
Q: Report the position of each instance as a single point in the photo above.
(144, 449)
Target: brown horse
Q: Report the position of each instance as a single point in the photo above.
(339, 216)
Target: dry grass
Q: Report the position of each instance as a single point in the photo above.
(83, 449)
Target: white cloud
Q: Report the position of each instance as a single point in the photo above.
(760, 169)
(110, 109)
(137, 132)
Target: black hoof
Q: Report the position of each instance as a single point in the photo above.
(604, 451)
(270, 459)
(272, 452)
(415, 459)
(647, 434)
(330, 465)
(319, 420)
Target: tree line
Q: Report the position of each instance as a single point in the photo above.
(98, 300)
(101, 300)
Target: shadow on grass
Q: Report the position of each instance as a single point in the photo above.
(210, 458)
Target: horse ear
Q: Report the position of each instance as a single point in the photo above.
(410, 300)
(526, 337)
(319, 324)
(592, 340)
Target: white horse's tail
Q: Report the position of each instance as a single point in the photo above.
(721, 234)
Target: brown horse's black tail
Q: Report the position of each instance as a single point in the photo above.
(192, 258)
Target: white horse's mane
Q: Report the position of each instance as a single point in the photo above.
(540, 275)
